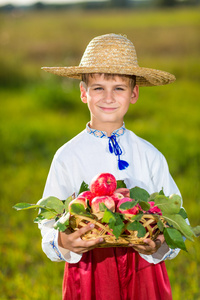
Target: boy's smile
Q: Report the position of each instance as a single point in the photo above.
(108, 100)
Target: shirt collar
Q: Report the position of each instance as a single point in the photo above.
(102, 134)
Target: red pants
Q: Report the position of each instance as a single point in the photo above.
(115, 274)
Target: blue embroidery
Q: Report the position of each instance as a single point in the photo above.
(96, 133)
(103, 134)
(114, 147)
(169, 254)
(52, 243)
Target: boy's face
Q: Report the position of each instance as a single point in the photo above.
(108, 100)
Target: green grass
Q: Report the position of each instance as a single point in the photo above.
(40, 112)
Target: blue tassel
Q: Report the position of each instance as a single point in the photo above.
(122, 164)
(115, 147)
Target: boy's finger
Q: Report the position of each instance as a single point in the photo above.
(149, 247)
(154, 244)
(92, 243)
(83, 230)
(158, 243)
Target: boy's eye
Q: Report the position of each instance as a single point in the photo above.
(119, 89)
(98, 88)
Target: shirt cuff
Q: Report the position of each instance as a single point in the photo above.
(163, 253)
(69, 256)
(51, 248)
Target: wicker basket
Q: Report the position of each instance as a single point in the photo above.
(149, 221)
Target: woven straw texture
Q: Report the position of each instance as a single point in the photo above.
(149, 222)
(113, 54)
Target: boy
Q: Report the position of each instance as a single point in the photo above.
(110, 79)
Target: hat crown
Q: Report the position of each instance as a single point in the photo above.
(109, 50)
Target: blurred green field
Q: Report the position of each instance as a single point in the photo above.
(39, 112)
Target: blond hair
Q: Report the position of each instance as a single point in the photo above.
(132, 78)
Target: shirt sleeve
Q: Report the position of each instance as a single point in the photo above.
(162, 179)
(57, 185)
(50, 244)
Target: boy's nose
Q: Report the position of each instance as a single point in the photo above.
(108, 97)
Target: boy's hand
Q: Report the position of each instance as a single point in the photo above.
(74, 243)
(150, 247)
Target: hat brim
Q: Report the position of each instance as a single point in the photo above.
(144, 76)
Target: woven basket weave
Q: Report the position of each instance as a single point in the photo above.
(149, 221)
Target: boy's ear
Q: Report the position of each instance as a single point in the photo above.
(83, 92)
(135, 94)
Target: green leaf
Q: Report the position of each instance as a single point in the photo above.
(174, 238)
(152, 196)
(117, 226)
(121, 184)
(23, 206)
(114, 221)
(61, 226)
(183, 213)
(196, 230)
(160, 225)
(39, 218)
(84, 187)
(108, 215)
(161, 192)
(176, 201)
(63, 222)
(128, 205)
(139, 194)
(66, 203)
(137, 226)
(79, 209)
(144, 205)
(102, 206)
(168, 205)
(180, 224)
(48, 213)
(53, 203)
(137, 217)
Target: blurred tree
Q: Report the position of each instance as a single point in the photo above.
(7, 7)
(119, 3)
(166, 2)
(39, 5)
(171, 3)
(193, 2)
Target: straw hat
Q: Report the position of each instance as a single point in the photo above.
(114, 54)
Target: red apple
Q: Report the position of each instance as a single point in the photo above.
(77, 200)
(116, 197)
(123, 191)
(108, 201)
(133, 211)
(87, 195)
(154, 209)
(103, 184)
